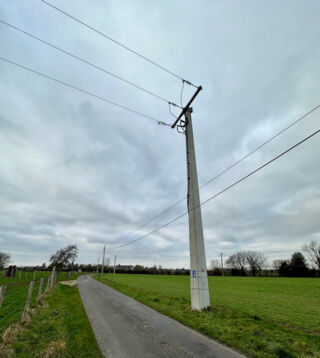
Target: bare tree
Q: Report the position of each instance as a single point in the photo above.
(237, 262)
(256, 260)
(276, 264)
(65, 256)
(214, 264)
(312, 249)
(4, 259)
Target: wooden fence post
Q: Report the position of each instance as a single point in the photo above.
(40, 290)
(2, 293)
(52, 276)
(48, 283)
(19, 274)
(26, 307)
(34, 275)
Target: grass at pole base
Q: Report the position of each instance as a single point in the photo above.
(260, 317)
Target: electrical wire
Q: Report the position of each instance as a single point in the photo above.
(181, 93)
(83, 91)
(173, 115)
(260, 146)
(86, 62)
(225, 170)
(117, 42)
(220, 192)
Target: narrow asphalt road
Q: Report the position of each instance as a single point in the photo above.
(125, 328)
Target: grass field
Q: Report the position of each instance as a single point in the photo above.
(15, 297)
(261, 317)
(59, 328)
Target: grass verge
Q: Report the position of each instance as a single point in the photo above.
(16, 294)
(261, 317)
(58, 328)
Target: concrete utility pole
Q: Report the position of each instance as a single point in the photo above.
(98, 265)
(221, 254)
(198, 267)
(114, 263)
(104, 252)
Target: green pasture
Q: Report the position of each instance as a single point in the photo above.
(259, 316)
(16, 294)
(60, 328)
(27, 276)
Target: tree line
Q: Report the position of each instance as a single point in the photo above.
(255, 263)
(239, 264)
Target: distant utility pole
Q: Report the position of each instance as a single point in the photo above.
(114, 263)
(98, 265)
(198, 267)
(221, 254)
(104, 253)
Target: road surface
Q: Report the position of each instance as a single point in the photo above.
(125, 328)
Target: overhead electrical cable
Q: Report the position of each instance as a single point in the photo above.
(83, 91)
(88, 63)
(220, 192)
(117, 43)
(227, 169)
(260, 146)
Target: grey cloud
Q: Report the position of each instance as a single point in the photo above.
(76, 170)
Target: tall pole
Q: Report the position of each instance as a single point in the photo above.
(114, 263)
(98, 265)
(221, 254)
(198, 267)
(104, 252)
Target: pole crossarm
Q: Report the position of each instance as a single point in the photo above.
(184, 110)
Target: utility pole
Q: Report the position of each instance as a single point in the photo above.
(114, 263)
(198, 267)
(104, 252)
(98, 265)
(221, 254)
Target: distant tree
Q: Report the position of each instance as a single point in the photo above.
(298, 265)
(4, 259)
(276, 264)
(138, 268)
(44, 265)
(237, 262)
(284, 268)
(215, 264)
(215, 268)
(64, 257)
(256, 260)
(312, 249)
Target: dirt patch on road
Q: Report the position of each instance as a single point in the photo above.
(69, 283)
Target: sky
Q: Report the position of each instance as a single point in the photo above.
(77, 170)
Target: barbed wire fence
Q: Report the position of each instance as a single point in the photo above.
(18, 295)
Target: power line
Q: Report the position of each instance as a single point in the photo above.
(83, 91)
(117, 42)
(226, 170)
(88, 63)
(260, 146)
(220, 192)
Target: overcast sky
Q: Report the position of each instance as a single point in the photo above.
(74, 169)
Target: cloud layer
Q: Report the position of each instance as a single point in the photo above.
(74, 169)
